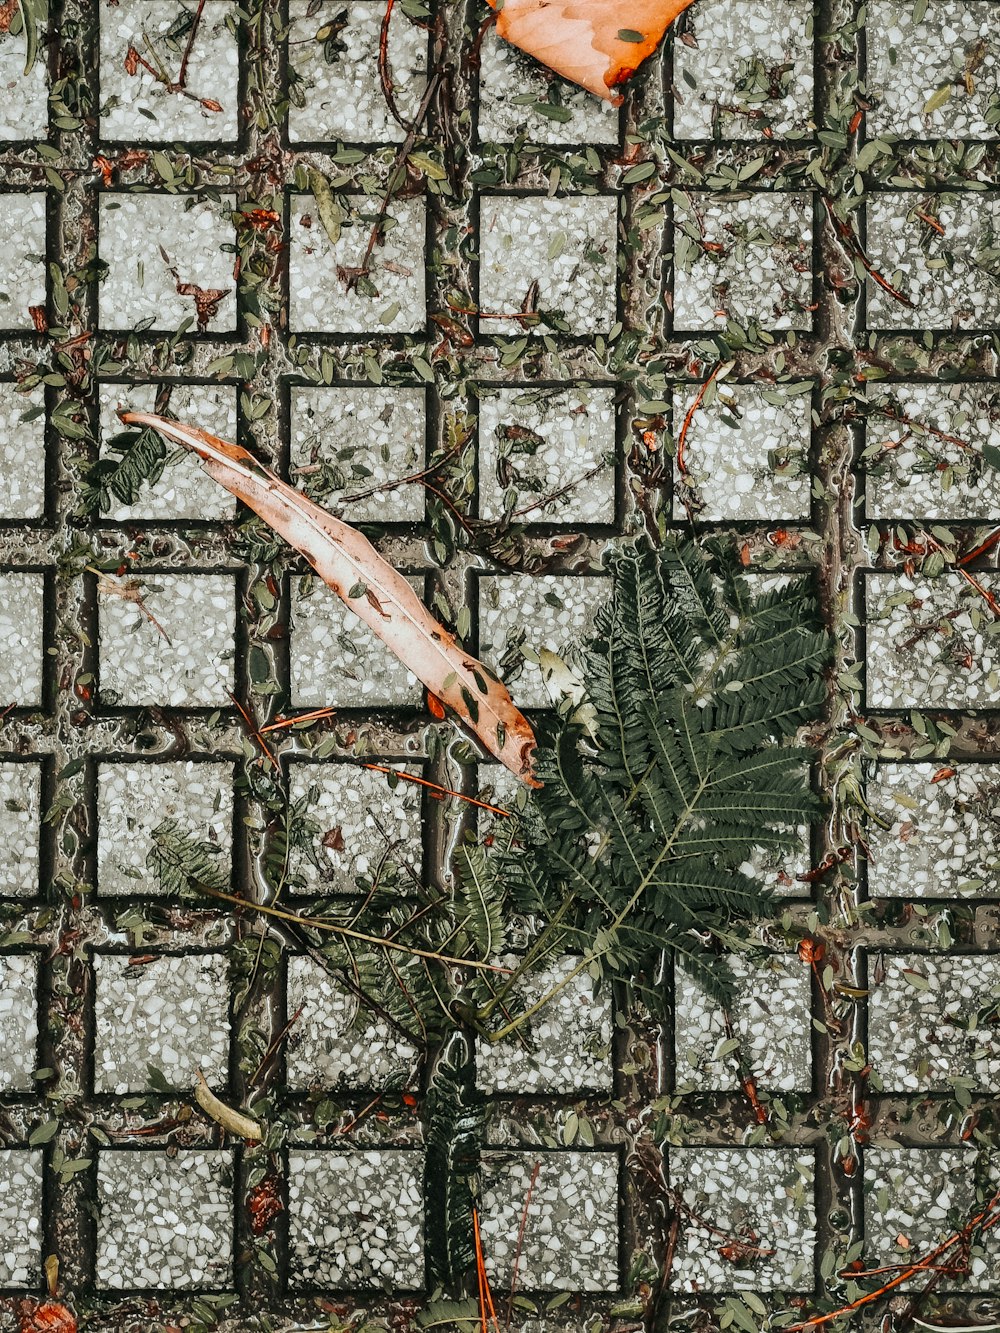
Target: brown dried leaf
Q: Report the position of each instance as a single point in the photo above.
(596, 43)
(348, 563)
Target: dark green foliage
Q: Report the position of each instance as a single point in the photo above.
(134, 459)
(183, 863)
(634, 846)
(454, 1118)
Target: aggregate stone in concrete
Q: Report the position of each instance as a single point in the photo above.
(164, 1220)
(570, 1240)
(356, 1218)
(184, 660)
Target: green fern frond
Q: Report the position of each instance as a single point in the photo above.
(454, 1121)
(699, 681)
(184, 863)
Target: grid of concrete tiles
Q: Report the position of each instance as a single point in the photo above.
(787, 190)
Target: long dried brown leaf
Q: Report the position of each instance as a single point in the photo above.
(348, 563)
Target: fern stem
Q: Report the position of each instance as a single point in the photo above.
(588, 957)
(334, 929)
(541, 944)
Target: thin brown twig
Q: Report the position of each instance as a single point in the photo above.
(668, 1258)
(941, 435)
(485, 1295)
(413, 477)
(556, 495)
(970, 579)
(433, 84)
(682, 437)
(982, 548)
(269, 1053)
(520, 1242)
(128, 591)
(282, 723)
(436, 787)
(254, 730)
(384, 71)
(846, 234)
(192, 34)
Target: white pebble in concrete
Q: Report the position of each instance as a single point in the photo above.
(570, 1241)
(345, 441)
(356, 822)
(22, 452)
(748, 69)
(337, 660)
(565, 1047)
(762, 273)
(951, 279)
(322, 298)
(930, 643)
(519, 614)
(21, 1171)
(566, 246)
(536, 443)
(171, 1013)
(139, 287)
(21, 610)
(341, 98)
(18, 1022)
(337, 1041)
(20, 823)
(22, 265)
(139, 108)
(944, 835)
(759, 1196)
(916, 63)
(184, 489)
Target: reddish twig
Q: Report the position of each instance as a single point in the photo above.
(438, 789)
(970, 579)
(182, 73)
(281, 723)
(985, 546)
(433, 83)
(254, 730)
(485, 1295)
(520, 1241)
(931, 222)
(846, 234)
(682, 437)
(941, 435)
(384, 72)
(922, 1266)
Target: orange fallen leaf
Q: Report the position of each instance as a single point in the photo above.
(596, 43)
(377, 594)
(48, 1317)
